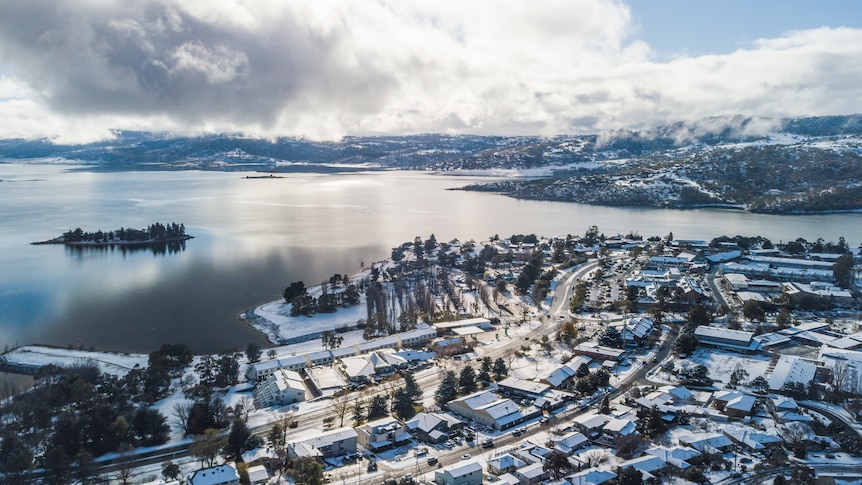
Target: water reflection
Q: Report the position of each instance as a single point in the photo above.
(157, 248)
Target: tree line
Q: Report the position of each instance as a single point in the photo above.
(154, 232)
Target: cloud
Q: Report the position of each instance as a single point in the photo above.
(73, 70)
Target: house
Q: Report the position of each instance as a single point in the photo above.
(218, 475)
(487, 409)
(783, 403)
(505, 463)
(327, 444)
(382, 434)
(258, 456)
(593, 476)
(280, 388)
(468, 472)
(619, 427)
(362, 368)
(678, 457)
(705, 442)
(432, 428)
(591, 424)
(570, 442)
(257, 475)
(752, 440)
(531, 474)
(734, 404)
(563, 375)
(645, 464)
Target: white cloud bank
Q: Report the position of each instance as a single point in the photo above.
(73, 70)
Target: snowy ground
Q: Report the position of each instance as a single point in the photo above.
(109, 362)
(721, 364)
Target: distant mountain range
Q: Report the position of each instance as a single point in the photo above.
(759, 164)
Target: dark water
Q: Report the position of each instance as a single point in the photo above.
(254, 236)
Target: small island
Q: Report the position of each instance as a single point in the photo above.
(155, 234)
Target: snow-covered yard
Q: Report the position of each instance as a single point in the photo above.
(721, 364)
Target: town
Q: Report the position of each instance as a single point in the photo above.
(520, 360)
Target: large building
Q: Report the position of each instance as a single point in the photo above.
(280, 388)
(726, 338)
(487, 409)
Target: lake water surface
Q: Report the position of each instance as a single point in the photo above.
(254, 236)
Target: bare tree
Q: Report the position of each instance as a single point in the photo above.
(341, 404)
(124, 461)
(839, 376)
(181, 416)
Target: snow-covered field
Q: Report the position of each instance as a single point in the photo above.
(721, 364)
(109, 362)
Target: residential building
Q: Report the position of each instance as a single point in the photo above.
(487, 409)
(505, 463)
(280, 388)
(218, 475)
(382, 434)
(432, 428)
(326, 444)
(467, 472)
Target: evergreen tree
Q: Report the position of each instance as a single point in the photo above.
(447, 390)
(605, 406)
(412, 389)
(358, 412)
(467, 380)
(377, 407)
(500, 369)
(402, 404)
(236, 439)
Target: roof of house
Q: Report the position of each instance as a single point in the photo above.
(503, 462)
(593, 476)
(646, 463)
(675, 455)
(461, 468)
(214, 476)
(533, 470)
(429, 421)
(703, 441)
(326, 438)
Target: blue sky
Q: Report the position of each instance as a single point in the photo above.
(324, 69)
(699, 27)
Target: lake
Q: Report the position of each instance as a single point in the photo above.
(254, 236)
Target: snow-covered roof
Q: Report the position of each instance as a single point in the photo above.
(703, 441)
(462, 468)
(791, 368)
(505, 461)
(215, 476)
(593, 476)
